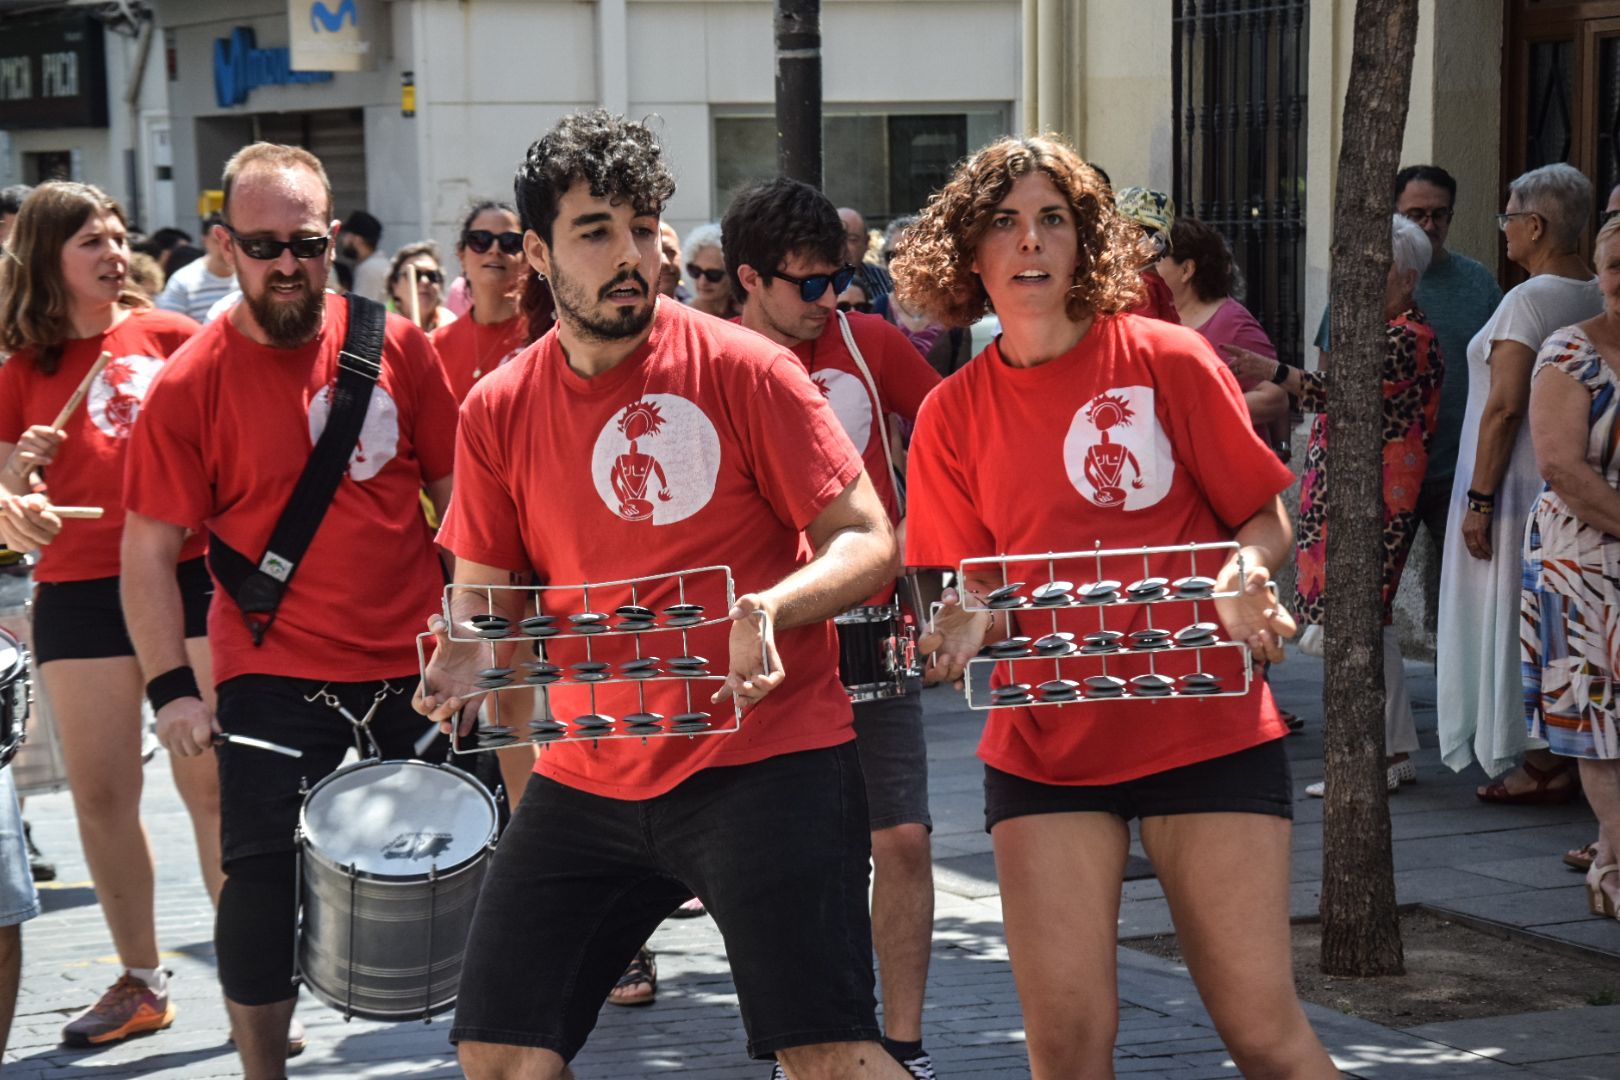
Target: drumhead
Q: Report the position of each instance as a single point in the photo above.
(12, 657)
(398, 818)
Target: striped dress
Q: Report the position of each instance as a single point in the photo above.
(1569, 635)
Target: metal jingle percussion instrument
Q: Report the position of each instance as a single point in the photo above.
(391, 856)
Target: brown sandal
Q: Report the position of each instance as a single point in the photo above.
(1543, 794)
(642, 970)
(1581, 858)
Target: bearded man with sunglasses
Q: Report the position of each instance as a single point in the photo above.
(783, 242)
(219, 445)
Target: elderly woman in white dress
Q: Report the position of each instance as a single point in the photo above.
(1480, 690)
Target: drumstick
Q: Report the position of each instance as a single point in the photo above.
(72, 513)
(257, 744)
(84, 388)
(416, 301)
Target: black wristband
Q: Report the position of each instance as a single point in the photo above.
(172, 685)
(1474, 496)
(1280, 376)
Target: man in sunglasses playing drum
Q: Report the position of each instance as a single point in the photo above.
(642, 438)
(784, 245)
(219, 445)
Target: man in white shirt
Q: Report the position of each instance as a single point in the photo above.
(197, 286)
(360, 236)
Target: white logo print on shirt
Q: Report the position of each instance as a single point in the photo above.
(656, 460)
(850, 403)
(1116, 454)
(379, 433)
(116, 395)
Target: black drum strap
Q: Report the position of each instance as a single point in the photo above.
(257, 587)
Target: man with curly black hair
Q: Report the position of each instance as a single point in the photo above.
(784, 244)
(641, 439)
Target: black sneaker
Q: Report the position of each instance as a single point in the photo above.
(920, 1066)
(41, 867)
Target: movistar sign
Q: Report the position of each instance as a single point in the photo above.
(322, 16)
(241, 67)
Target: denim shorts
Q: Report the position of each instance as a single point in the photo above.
(779, 850)
(1252, 781)
(894, 758)
(19, 901)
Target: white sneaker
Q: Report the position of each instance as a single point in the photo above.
(1402, 772)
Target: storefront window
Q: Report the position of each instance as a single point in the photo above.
(882, 164)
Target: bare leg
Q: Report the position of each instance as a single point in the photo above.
(197, 780)
(10, 978)
(840, 1061)
(1064, 871)
(902, 924)
(1226, 878)
(494, 1061)
(1601, 780)
(261, 1037)
(97, 704)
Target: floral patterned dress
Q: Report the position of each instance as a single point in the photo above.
(1413, 370)
(1569, 635)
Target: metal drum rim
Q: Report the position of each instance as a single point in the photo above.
(855, 616)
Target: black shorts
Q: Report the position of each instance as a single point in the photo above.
(779, 851)
(260, 791)
(84, 620)
(894, 759)
(1252, 781)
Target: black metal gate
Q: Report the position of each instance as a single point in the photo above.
(1240, 145)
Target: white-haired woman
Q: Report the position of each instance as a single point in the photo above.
(1413, 369)
(1480, 689)
(706, 271)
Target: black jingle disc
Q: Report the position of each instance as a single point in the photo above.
(639, 662)
(588, 617)
(491, 631)
(634, 611)
(641, 673)
(677, 622)
(1105, 683)
(546, 630)
(544, 724)
(1058, 688)
(592, 722)
(1003, 592)
(1146, 585)
(592, 676)
(497, 742)
(492, 684)
(592, 628)
(1020, 642)
(493, 731)
(538, 620)
(1053, 592)
(1151, 685)
(1054, 640)
(634, 626)
(1103, 637)
(589, 665)
(1099, 647)
(688, 661)
(542, 678)
(1199, 631)
(1099, 592)
(490, 620)
(688, 722)
(1152, 633)
(495, 673)
(644, 718)
(676, 611)
(1193, 586)
(643, 729)
(541, 667)
(548, 735)
(1200, 689)
(1013, 692)
(689, 673)
(1006, 603)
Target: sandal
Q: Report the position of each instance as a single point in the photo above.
(643, 971)
(1581, 858)
(1598, 901)
(1543, 794)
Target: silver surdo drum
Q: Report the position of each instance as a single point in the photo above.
(14, 695)
(391, 858)
(41, 766)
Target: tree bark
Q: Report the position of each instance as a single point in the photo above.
(1360, 931)
(798, 90)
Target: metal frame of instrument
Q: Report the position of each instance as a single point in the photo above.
(1097, 556)
(534, 606)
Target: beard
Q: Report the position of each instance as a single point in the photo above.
(286, 323)
(575, 305)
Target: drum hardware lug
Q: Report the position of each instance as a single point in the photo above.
(348, 991)
(433, 914)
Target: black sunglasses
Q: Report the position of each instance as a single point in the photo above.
(1608, 216)
(862, 306)
(430, 277)
(714, 277)
(479, 240)
(811, 288)
(266, 249)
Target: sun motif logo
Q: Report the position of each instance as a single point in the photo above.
(379, 432)
(656, 460)
(116, 395)
(850, 402)
(1116, 454)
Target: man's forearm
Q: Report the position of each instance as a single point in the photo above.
(153, 612)
(853, 564)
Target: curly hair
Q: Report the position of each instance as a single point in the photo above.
(1214, 274)
(34, 300)
(615, 158)
(931, 270)
(768, 222)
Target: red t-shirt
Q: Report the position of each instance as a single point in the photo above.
(469, 350)
(89, 470)
(707, 446)
(223, 438)
(1135, 437)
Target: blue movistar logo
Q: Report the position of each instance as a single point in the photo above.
(322, 16)
(240, 67)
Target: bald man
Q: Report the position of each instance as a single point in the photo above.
(873, 278)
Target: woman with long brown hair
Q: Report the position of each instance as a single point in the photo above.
(1082, 423)
(65, 301)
